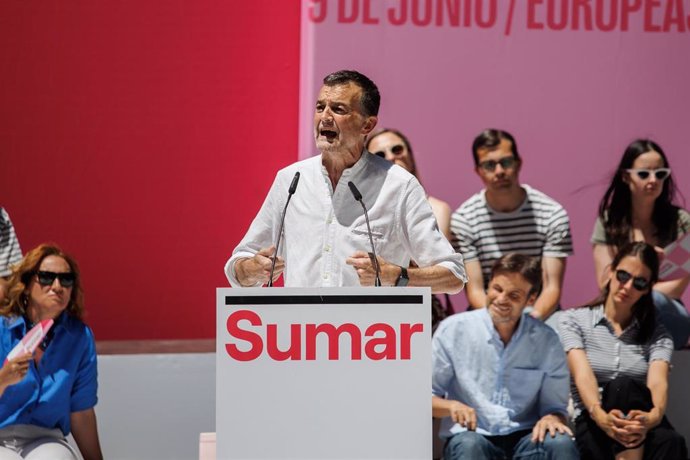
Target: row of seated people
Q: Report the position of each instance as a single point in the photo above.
(502, 379)
(614, 343)
(639, 205)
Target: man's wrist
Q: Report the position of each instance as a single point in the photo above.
(403, 278)
(244, 278)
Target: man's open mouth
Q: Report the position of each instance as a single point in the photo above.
(328, 134)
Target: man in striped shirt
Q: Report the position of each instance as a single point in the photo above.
(509, 217)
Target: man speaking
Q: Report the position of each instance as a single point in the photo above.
(343, 202)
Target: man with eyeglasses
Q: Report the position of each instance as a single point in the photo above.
(326, 238)
(507, 216)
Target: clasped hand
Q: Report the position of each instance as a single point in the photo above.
(630, 431)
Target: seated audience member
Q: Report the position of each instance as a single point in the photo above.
(619, 357)
(395, 147)
(10, 253)
(47, 395)
(639, 206)
(507, 216)
(500, 378)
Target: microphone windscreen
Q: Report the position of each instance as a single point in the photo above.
(293, 186)
(355, 192)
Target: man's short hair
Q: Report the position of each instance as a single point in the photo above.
(490, 138)
(526, 266)
(371, 99)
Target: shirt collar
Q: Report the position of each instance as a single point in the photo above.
(18, 321)
(486, 318)
(598, 317)
(354, 170)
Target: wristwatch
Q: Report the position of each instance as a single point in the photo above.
(402, 278)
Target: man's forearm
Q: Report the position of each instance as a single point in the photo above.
(440, 279)
(547, 302)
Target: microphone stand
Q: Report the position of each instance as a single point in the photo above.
(375, 260)
(291, 191)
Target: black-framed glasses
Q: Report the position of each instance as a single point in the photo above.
(642, 173)
(638, 283)
(396, 150)
(48, 278)
(490, 165)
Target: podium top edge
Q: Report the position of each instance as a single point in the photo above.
(322, 299)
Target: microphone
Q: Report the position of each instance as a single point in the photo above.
(372, 254)
(291, 191)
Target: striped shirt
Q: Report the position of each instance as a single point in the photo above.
(538, 227)
(10, 253)
(608, 355)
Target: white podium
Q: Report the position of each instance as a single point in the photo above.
(328, 373)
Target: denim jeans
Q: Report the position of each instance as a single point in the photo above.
(471, 445)
(674, 317)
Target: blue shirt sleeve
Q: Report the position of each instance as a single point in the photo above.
(84, 391)
(555, 390)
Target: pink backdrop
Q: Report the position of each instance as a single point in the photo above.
(142, 137)
(573, 94)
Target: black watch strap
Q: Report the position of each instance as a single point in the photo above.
(403, 279)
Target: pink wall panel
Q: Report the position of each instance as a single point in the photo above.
(574, 81)
(142, 138)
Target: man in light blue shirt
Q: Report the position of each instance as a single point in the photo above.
(500, 378)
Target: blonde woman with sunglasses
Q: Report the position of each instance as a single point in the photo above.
(639, 206)
(50, 392)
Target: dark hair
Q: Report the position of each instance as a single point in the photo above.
(526, 266)
(405, 140)
(643, 310)
(490, 138)
(615, 208)
(16, 297)
(371, 99)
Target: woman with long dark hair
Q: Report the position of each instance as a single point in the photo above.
(619, 357)
(639, 206)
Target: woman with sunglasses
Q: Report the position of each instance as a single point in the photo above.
(48, 394)
(638, 206)
(394, 146)
(619, 357)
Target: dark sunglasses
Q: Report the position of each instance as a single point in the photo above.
(490, 165)
(660, 174)
(395, 150)
(48, 278)
(639, 283)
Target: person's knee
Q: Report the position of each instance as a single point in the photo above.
(53, 449)
(468, 444)
(560, 444)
